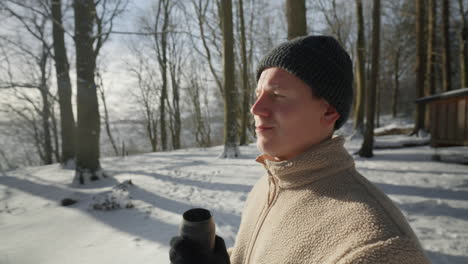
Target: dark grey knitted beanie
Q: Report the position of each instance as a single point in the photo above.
(322, 64)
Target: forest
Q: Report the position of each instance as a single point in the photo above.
(86, 79)
(117, 116)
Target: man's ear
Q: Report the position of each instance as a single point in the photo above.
(330, 115)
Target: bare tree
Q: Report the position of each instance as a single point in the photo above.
(338, 19)
(55, 132)
(197, 93)
(420, 65)
(251, 46)
(88, 129)
(368, 143)
(162, 22)
(27, 126)
(144, 69)
(245, 78)
(446, 62)
(168, 46)
(176, 61)
(397, 39)
(360, 70)
(202, 8)
(102, 95)
(230, 103)
(67, 120)
(34, 20)
(429, 82)
(270, 27)
(7, 163)
(44, 89)
(93, 25)
(463, 44)
(296, 16)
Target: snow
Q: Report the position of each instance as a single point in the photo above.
(392, 126)
(398, 141)
(458, 154)
(35, 228)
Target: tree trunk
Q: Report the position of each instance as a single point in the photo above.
(162, 107)
(396, 83)
(378, 103)
(162, 60)
(151, 127)
(368, 143)
(420, 66)
(88, 129)
(430, 56)
(463, 46)
(446, 67)
(67, 120)
(230, 106)
(194, 90)
(55, 136)
(245, 78)
(47, 142)
(176, 124)
(296, 16)
(45, 112)
(360, 70)
(38, 141)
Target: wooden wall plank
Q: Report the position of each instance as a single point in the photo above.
(452, 115)
(442, 121)
(461, 117)
(434, 121)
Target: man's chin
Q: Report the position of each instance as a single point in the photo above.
(265, 148)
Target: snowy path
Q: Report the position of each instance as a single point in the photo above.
(35, 229)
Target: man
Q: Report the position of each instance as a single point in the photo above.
(312, 206)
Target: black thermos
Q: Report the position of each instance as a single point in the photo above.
(198, 225)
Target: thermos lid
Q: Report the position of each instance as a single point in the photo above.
(197, 215)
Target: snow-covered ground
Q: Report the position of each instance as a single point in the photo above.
(35, 228)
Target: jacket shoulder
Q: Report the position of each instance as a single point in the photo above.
(357, 211)
(395, 250)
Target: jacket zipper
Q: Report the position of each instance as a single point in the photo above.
(270, 204)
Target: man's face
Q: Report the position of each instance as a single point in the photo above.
(288, 118)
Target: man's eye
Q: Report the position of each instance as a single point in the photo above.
(278, 95)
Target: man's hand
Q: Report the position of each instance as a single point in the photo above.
(186, 251)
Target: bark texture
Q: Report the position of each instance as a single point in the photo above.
(296, 16)
(360, 69)
(230, 103)
(62, 68)
(88, 129)
(368, 143)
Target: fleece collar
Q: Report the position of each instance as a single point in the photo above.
(325, 159)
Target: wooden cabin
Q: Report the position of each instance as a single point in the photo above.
(448, 118)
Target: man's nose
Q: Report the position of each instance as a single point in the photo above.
(261, 106)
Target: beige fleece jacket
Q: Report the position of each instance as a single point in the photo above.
(316, 208)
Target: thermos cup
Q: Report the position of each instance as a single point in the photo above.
(198, 225)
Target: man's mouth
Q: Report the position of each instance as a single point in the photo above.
(261, 128)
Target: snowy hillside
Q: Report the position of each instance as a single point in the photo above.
(35, 228)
